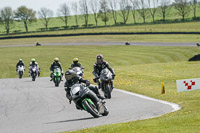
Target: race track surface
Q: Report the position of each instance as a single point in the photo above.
(105, 43)
(39, 107)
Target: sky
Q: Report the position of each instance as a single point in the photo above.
(34, 4)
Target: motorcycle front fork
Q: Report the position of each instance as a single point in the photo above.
(102, 85)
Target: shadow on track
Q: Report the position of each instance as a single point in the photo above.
(81, 119)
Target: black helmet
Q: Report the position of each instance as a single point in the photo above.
(99, 59)
(70, 74)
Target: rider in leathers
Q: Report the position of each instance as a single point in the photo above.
(54, 64)
(34, 63)
(72, 78)
(75, 63)
(20, 63)
(99, 66)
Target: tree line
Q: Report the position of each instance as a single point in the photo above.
(103, 10)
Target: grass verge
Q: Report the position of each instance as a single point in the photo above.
(106, 38)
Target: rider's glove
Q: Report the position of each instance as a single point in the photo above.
(87, 82)
(113, 76)
(95, 79)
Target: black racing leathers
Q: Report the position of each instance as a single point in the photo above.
(99, 67)
(20, 63)
(54, 64)
(76, 65)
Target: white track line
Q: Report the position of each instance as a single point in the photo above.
(175, 107)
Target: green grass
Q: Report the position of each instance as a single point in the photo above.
(56, 22)
(106, 38)
(174, 27)
(139, 69)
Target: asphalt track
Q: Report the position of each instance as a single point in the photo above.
(105, 43)
(39, 107)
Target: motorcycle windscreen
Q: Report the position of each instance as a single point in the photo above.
(105, 74)
(75, 89)
(57, 70)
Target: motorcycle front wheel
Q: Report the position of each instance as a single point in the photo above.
(56, 82)
(107, 91)
(20, 75)
(91, 108)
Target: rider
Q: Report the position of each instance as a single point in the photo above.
(99, 66)
(75, 63)
(55, 64)
(20, 63)
(72, 78)
(34, 63)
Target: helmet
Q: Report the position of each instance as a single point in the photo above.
(33, 59)
(20, 60)
(70, 74)
(99, 59)
(75, 60)
(56, 59)
(100, 56)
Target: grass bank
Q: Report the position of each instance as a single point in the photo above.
(106, 38)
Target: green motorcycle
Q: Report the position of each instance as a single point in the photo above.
(57, 76)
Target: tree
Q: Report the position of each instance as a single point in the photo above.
(6, 18)
(75, 10)
(125, 10)
(165, 8)
(104, 11)
(84, 10)
(26, 15)
(194, 4)
(153, 6)
(63, 13)
(182, 8)
(94, 6)
(45, 15)
(113, 7)
(134, 4)
(142, 10)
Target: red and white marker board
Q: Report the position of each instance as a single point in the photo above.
(188, 84)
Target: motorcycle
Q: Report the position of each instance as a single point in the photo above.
(81, 97)
(79, 71)
(34, 72)
(106, 83)
(20, 71)
(57, 75)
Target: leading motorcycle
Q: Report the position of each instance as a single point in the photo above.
(82, 96)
